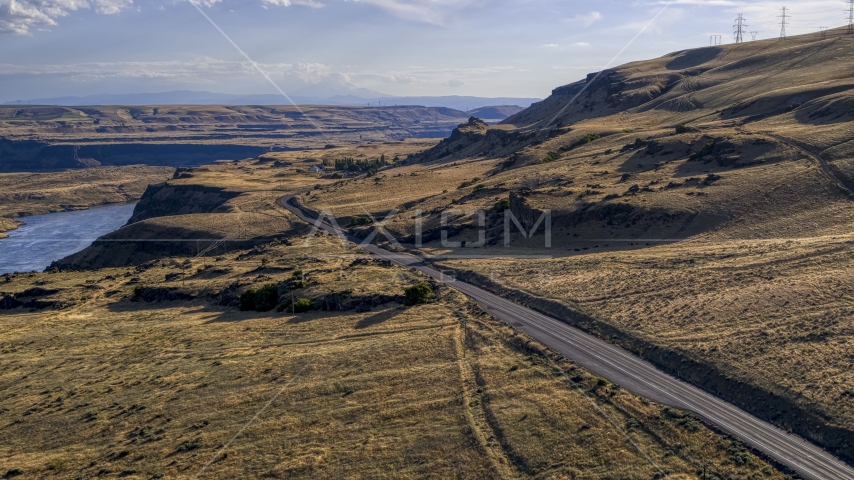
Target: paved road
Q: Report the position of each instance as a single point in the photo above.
(631, 372)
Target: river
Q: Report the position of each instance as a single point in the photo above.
(47, 238)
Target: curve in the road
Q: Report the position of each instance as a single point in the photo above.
(631, 372)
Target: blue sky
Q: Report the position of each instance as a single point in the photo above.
(519, 48)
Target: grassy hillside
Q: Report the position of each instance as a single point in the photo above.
(700, 205)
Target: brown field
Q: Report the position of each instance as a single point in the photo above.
(143, 386)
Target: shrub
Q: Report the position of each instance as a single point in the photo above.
(418, 294)
(601, 382)
(360, 221)
(479, 187)
(302, 305)
(297, 274)
(266, 298)
(503, 204)
(57, 465)
(283, 306)
(13, 472)
(551, 157)
(681, 128)
(247, 300)
(706, 150)
(509, 162)
(589, 138)
(469, 183)
(137, 291)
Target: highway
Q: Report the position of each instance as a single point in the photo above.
(631, 372)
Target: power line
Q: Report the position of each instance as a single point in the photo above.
(783, 23)
(739, 28)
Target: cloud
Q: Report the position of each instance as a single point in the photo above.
(551, 45)
(436, 12)
(18, 16)
(581, 44)
(111, 7)
(309, 72)
(454, 83)
(584, 19)
(288, 3)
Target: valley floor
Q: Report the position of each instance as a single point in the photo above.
(154, 372)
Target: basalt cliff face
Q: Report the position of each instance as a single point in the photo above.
(30, 155)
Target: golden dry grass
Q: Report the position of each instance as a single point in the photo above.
(111, 385)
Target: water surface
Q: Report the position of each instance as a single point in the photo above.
(47, 238)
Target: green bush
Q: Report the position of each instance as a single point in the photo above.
(503, 204)
(469, 183)
(360, 221)
(283, 306)
(418, 294)
(298, 274)
(137, 291)
(589, 138)
(706, 150)
(262, 300)
(509, 162)
(266, 298)
(601, 382)
(247, 300)
(681, 128)
(13, 472)
(551, 157)
(302, 305)
(57, 465)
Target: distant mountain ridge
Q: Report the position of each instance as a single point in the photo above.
(318, 94)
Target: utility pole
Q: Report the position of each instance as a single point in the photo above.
(739, 28)
(850, 17)
(753, 36)
(783, 22)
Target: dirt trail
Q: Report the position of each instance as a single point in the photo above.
(822, 163)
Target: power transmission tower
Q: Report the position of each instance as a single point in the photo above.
(715, 40)
(739, 28)
(753, 35)
(850, 16)
(783, 22)
(823, 31)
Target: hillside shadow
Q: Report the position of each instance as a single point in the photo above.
(377, 318)
(694, 58)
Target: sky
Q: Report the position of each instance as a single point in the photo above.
(487, 48)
